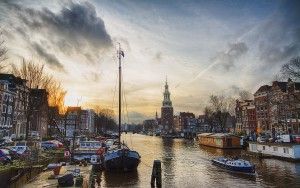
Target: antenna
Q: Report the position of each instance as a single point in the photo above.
(79, 100)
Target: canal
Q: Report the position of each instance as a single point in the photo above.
(186, 164)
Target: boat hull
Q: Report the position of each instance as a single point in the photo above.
(121, 160)
(249, 169)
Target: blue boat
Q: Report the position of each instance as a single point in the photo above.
(236, 165)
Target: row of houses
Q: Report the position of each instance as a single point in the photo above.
(25, 112)
(275, 108)
(188, 122)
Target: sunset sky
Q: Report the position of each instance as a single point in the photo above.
(203, 47)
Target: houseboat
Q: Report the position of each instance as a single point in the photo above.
(220, 140)
(86, 149)
(286, 151)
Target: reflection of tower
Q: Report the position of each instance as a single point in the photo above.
(167, 111)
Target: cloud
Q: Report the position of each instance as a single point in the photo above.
(76, 29)
(227, 59)
(48, 57)
(279, 36)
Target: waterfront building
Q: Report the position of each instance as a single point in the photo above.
(202, 124)
(72, 121)
(20, 102)
(261, 101)
(87, 120)
(39, 108)
(167, 121)
(184, 120)
(176, 122)
(6, 109)
(278, 107)
(245, 116)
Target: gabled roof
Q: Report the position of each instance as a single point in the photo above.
(263, 88)
(281, 85)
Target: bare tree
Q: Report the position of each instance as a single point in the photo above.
(245, 95)
(221, 108)
(36, 77)
(3, 51)
(291, 69)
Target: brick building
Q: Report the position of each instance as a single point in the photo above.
(245, 116)
(39, 109)
(278, 107)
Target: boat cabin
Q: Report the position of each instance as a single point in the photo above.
(220, 140)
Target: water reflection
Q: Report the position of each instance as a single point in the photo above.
(187, 164)
(168, 158)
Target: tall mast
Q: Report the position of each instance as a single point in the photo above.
(120, 75)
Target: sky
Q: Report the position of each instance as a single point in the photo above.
(202, 47)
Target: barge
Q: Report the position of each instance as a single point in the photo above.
(220, 140)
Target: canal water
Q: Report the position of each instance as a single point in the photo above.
(186, 164)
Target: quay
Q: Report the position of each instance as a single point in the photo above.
(47, 179)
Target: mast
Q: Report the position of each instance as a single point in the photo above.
(120, 75)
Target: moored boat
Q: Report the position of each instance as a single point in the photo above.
(237, 165)
(121, 158)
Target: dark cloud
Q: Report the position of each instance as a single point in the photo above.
(76, 28)
(48, 57)
(227, 59)
(279, 37)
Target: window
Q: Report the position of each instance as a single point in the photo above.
(9, 110)
(275, 149)
(286, 150)
(8, 121)
(4, 108)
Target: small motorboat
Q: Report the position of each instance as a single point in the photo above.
(237, 165)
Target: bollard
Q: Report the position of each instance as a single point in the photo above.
(156, 174)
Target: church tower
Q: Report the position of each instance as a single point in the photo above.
(167, 111)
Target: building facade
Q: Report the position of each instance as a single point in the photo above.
(262, 107)
(20, 91)
(167, 111)
(245, 116)
(72, 121)
(39, 109)
(278, 107)
(6, 106)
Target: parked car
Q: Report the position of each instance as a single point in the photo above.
(46, 145)
(58, 143)
(4, 156)
(295, 138)
(21, 150)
